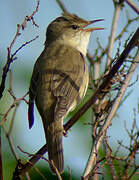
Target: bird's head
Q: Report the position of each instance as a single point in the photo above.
(71, 30)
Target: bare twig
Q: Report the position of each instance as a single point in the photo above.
(95, 76)
(95, 170)
(132, 148)
(23, 45)
(23, 168)
(129, 21)
(133, 5)
(95, 148)
(8, 134)
(12, 146)
(106, 81)
(10, 57)
(117, 10)
(109, 160)
(130, 165)
(14, 104)
(38, 155)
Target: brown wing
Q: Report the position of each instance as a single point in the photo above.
(63, 74)
(65, 90)
(66, 82)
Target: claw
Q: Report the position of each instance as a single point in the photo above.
(65, 133)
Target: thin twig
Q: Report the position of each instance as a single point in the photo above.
(10, 57)
(117, 10)
(8, 134)
(95, 170)
(129, 21)
(133, 148)
(133, 6)
(109, 160)
(40, 157)
(28, 42)
(12, 147)
(115, 106)
(106, 81)
(14, 104)
(28, 165)
(12, 120)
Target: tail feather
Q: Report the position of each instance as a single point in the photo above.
(54, 134)
(56, 154)
(31, 114)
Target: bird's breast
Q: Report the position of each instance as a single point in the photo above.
(85, 80)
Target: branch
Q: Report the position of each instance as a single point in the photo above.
(14, 104)
(23, 45)
(10, 57)
(129, 21)
(99, 92)
(133, 6)
(110, 117)
(8, 134)
(21, 169)
(117, 10)
(106, 81)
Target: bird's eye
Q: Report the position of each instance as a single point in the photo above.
(74, 27)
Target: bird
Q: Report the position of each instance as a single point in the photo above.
(60, 80)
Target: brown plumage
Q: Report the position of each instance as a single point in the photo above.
(59, 80)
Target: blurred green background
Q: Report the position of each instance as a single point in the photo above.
(78, 143)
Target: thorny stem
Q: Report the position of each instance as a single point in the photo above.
(115, 106)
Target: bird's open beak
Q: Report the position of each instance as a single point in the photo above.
(94, 28)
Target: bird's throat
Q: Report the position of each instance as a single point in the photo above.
(82, 46)
(79, 42)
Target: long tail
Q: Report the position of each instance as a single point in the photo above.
(54, 134)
